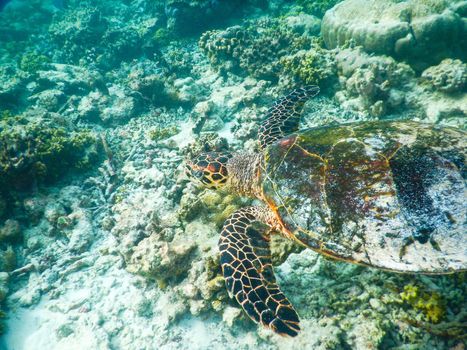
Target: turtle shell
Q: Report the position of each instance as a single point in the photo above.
(389, 194)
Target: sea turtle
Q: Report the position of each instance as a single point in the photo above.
(386, 194)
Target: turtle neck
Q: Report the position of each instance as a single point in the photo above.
(243, 170)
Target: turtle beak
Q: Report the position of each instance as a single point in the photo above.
(184, 175)
(191, 174)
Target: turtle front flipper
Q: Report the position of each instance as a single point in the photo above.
(283, 118)
(246, 265)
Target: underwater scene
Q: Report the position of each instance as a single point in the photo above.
(233, 174)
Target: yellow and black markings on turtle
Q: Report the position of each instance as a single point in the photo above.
(387, 194)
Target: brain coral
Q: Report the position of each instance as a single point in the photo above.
(423, 32)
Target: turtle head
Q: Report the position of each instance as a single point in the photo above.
(209, 169)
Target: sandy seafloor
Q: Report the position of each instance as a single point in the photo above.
(104, 244)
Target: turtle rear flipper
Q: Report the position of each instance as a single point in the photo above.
(283, 118)
(246, 265)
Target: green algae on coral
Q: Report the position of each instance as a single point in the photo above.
(2, 317)
(162, 133)
(41, 152)
(254, 49)
(6, 114)
(430, 303)
(311, 67)
(31, 62)
(8, 259)
(162, 37)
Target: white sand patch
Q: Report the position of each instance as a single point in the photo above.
(185, 136)
(226, 132)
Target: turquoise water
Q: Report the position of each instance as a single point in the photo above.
(105, 243)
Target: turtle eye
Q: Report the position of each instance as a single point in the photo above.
(198, 174)
(192, 172)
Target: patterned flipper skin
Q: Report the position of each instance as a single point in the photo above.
(283, 118)
(249, 277)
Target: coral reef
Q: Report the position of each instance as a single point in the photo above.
(13, 90)
(163, 261)
(124, 255)
(419, 31)
(317, 7)
(160, 133)
(372, 84)
(21, 24)
(4, 278)
(78, 31)
(379, 85)
(449, 76)
(10, 231)
(42, 152)
(254, 49)
(51, 87)
(312, 67)
(186, 16)
(303, 24)
(31, 62)
(84, 33)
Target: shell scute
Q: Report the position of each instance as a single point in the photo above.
(387, 194)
